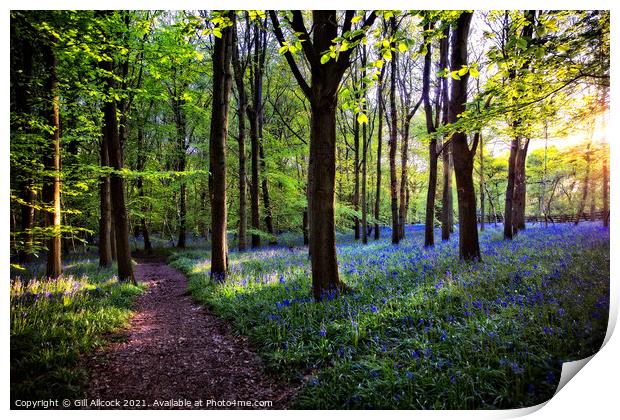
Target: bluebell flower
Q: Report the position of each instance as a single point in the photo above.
(322, 332)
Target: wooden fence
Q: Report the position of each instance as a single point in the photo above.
(555, 218)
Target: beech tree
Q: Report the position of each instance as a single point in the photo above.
(222, 85)
(326, 73)
(463, 155)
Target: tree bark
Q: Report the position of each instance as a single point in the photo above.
(117, 189)
(105, 207)
(393, 145)
(377, 234)
(21, 81)
(265, 188)
(140, 165)
(356, 178)
(222, 83)
(518, 207)
(515, 144)
(254, 116)
(469, 248)
(481, 184)
(429, 221)
(322, 94)
(51, 185)
(365, 142)
(239, 73)
(181, 163)
(402, 211)
(446, 154)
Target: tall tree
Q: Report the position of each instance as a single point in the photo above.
(406, 96)
(516, 146)
(365, 145)
(482, 186)
(239, 68)
(326, 74)
(393, 141)
(222, 84)
(446, 154)
(379, 143)
(520, 187)
(51, 186)
(429, 222)
(117, 183)
(22, 86)
(105, 206)
(463, 156)
(585, 183)
(255, 113)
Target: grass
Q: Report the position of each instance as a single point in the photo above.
(421, 329)
(55, 322)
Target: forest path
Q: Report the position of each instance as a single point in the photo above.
(176, 349)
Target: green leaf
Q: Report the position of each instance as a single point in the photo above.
(387, 54)
(463, 71)
(283, 49)
(356, 19)
(217, 32)
(455, 75)
(362, 119)
(325, 58)
(474, 72)
(402, 47)
(522, 43)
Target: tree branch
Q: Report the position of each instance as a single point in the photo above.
(299, 26)
(289, 57)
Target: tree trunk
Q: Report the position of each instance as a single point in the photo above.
(265, 188)
(393, 145)
(469, 248)
(117, 189)
(323, 96)
(255, 181)
(143, 225)
(112, 227)
(322, 234)
(356, 175)
(515, 147)
(21, 81)
(429, 221)
(365, 142)
(514, 150)
(304, 226)
(402, 213)
(105, 207)
(518, 207)
(379, 144)
(255, 116)
(239, 73)
(586, 184)
(446, 199)
(481, 184)
(51, 186)
(222, 83)
(140, 165)
(181, 163)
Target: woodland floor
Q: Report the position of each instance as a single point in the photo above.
(176, 349)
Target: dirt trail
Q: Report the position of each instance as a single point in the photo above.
(176, 349)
